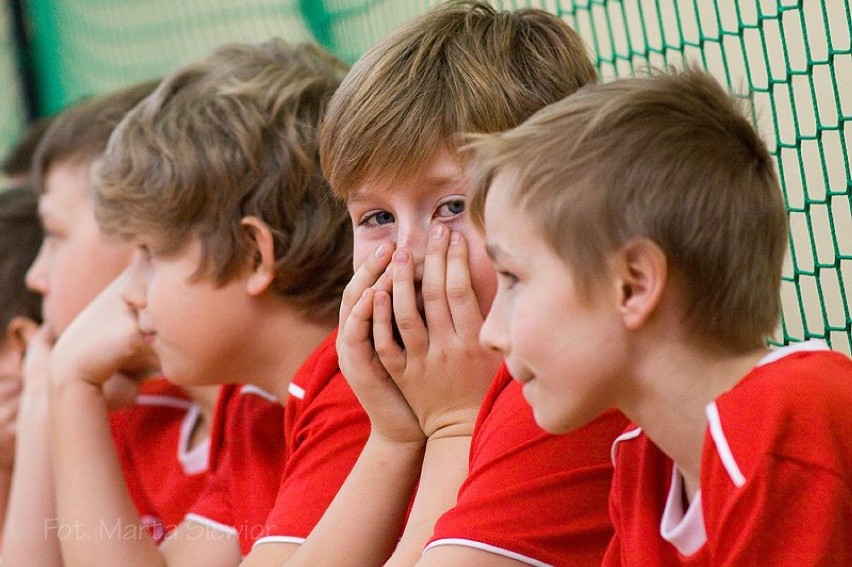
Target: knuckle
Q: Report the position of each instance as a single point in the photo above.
(458, 291)
(430, 292)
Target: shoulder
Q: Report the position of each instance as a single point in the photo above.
(316, 372)
(795, 405)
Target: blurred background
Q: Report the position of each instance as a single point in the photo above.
(791, 59)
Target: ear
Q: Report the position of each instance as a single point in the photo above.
(19, 332)
(263, 263)
(643, 275)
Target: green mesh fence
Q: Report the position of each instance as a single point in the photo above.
(791, 58)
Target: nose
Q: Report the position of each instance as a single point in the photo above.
(414, 236)
(494, 333)
(135, 288)
(37, 278)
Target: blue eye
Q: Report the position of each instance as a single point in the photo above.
(377, 219)
(451, 208)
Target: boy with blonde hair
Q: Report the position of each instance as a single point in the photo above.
(639, 231)
(389, 150)
(242, 258)
(75, 262)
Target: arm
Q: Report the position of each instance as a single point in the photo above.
(91, 496)
(10, 397)
(32, 529)
(363, 523)
(441, 370)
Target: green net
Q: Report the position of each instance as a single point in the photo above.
(789, 57)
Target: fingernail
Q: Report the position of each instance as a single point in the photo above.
(382, 249)
(455, 238)
(437, 232)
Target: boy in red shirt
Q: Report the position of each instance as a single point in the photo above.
(74, 263)
(639, 231)
(242, 259)
(389, 149)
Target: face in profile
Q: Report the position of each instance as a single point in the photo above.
(565, 348)
(75, 261)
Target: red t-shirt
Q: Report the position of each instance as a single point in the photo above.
(326, 429)
(246, 461)
(531, 496)
(164, 476)
(776, 474)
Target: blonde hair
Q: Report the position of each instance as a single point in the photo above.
(462, 67)
(672, 158)
(231, 136)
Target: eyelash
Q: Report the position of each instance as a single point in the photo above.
(369, 219)
(510, 278)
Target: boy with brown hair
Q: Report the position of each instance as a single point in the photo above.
(73, 264)
(639, 231)
(242, 256)
(20, 315)
(389, 150)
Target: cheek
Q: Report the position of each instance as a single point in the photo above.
(482, 275)
(362, 248)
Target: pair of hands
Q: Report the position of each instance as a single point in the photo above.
(432, 385)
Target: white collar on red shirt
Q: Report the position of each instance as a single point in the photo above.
(685, 529)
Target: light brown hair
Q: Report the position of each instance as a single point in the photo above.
(79, 135)
(669, 157)
(231, 136)
(462, 67)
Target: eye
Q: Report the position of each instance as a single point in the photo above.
(451, 208)
(377, 218)
(506, 279)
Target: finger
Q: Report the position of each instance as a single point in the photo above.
(390, 354)
(467, 318)
(434, 280)
(412, 330)
(355, 331)
(385, 281)
(365, 276)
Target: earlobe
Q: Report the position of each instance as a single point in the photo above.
(263, 256)
(643, 276)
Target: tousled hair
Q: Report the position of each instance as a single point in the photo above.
(672, 158)
(231, 136)
(462, 67)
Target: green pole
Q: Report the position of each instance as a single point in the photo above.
(46, 56)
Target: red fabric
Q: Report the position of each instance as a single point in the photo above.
(247, 458)
(149, 445)
(788, 425)
(531, 495)
(326, 429)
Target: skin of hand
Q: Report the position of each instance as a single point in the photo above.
(441, 369)
(10, 397)
(390, 414)
(103, 340)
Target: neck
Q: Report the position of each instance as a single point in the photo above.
(205, 397)
(282, 339)
(674, 383)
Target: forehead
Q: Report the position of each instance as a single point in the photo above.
(66, 190)
(443, 172)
